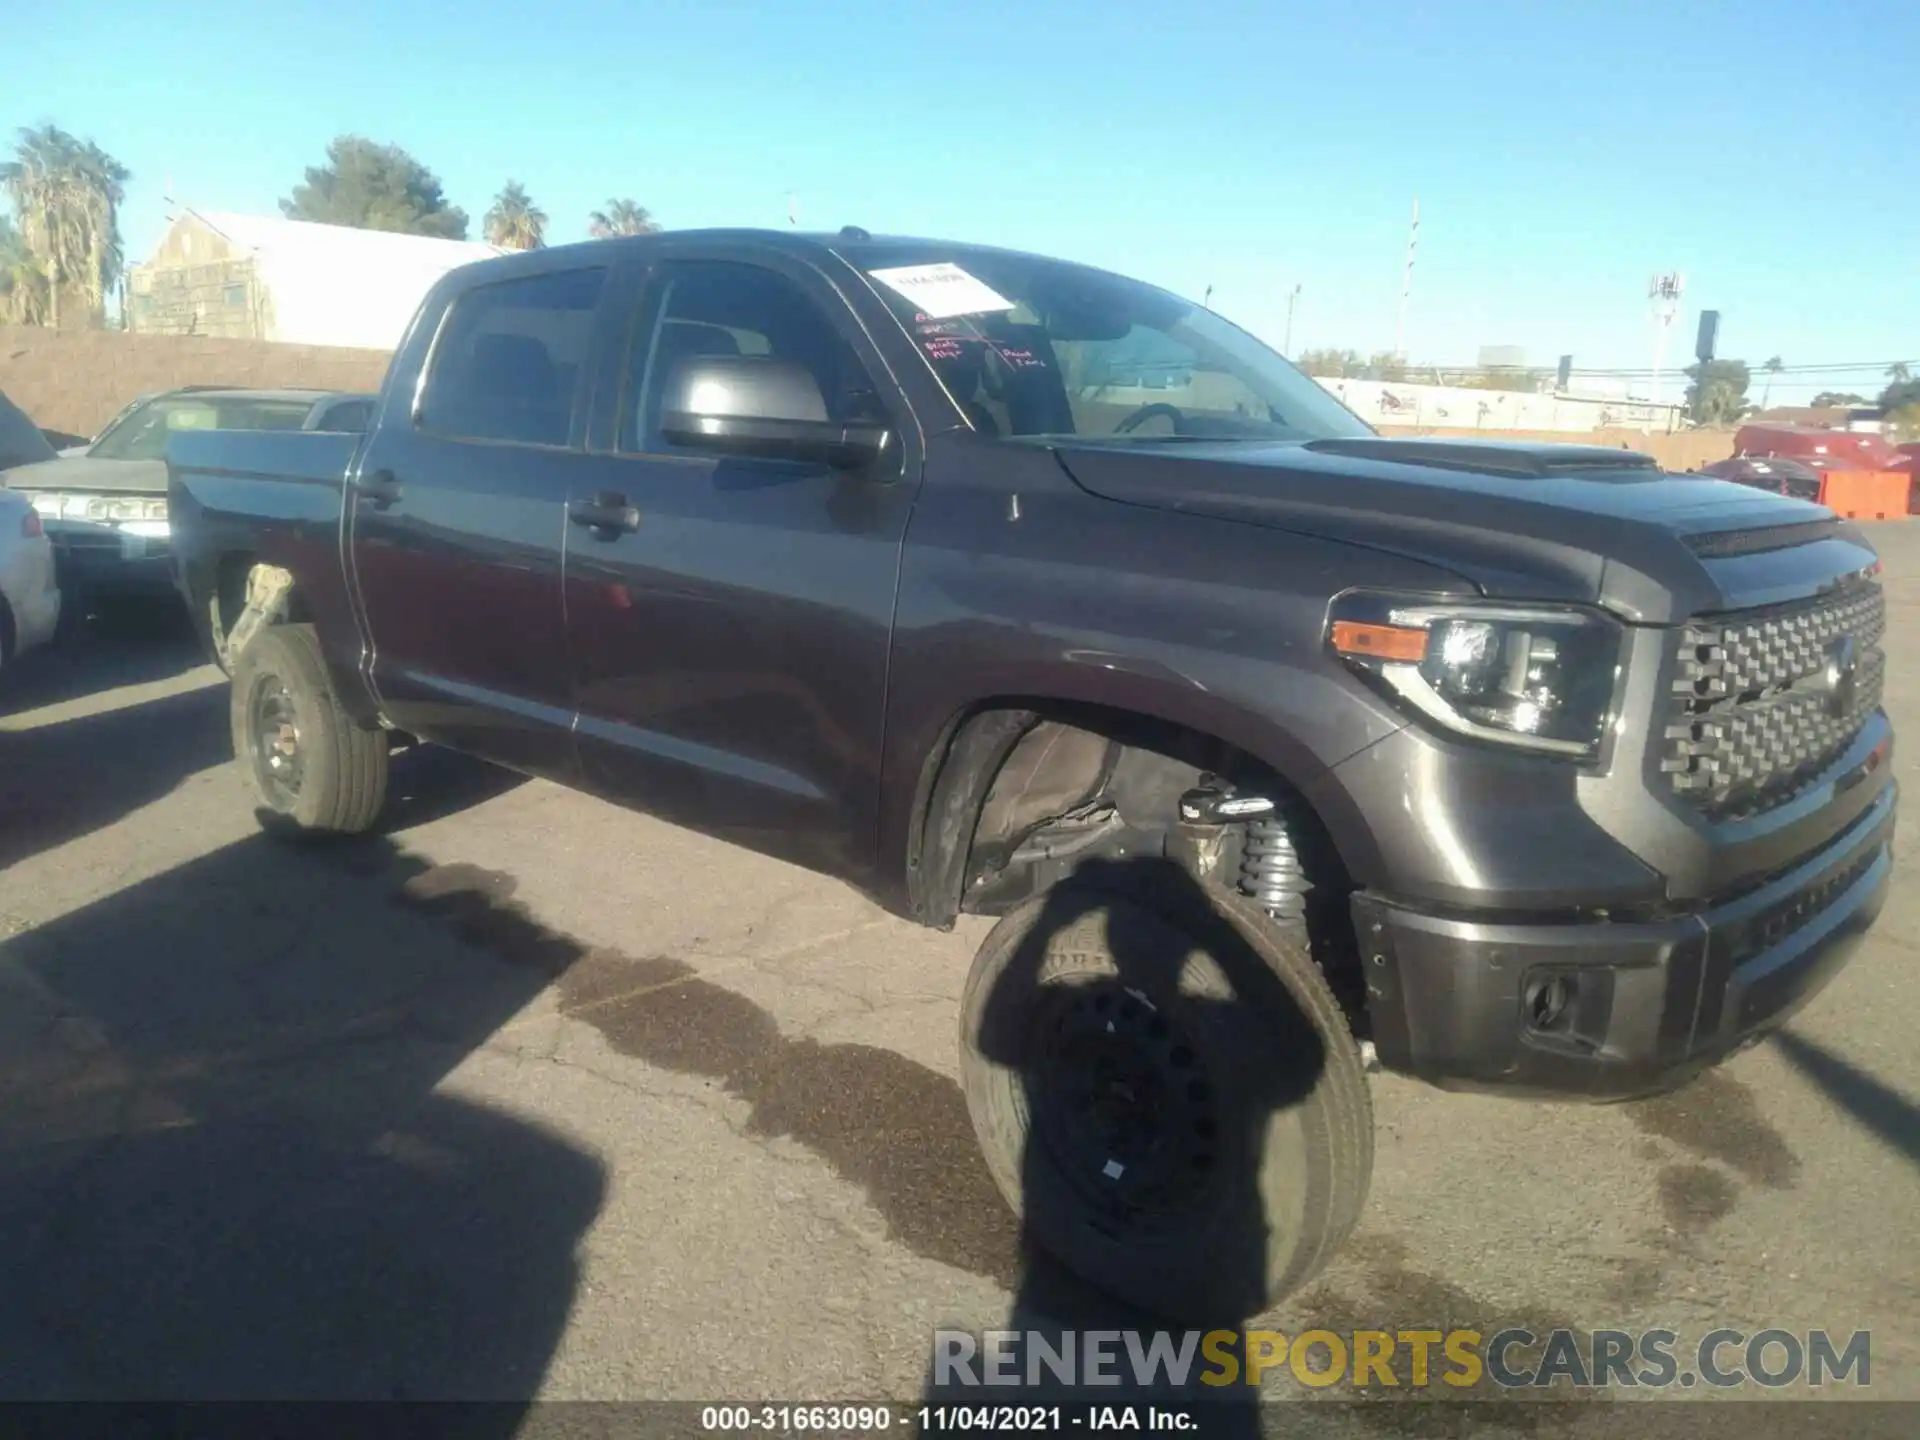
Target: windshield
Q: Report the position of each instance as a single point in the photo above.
(141, 434)
(1040, 349)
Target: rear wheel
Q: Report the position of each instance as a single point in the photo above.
(307, 764)
(1168, 1094)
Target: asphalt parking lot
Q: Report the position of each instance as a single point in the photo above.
(530, 1096)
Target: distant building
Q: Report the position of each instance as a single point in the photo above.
(261, 278)
(1861, 419)
(1503, 357)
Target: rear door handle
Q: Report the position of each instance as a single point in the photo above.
(607, 514)
(380, 489)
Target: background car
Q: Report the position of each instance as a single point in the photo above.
(29, 587)
(1769, 472)
(105, 507)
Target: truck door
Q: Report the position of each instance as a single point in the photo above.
(730, 640)
(458, 522)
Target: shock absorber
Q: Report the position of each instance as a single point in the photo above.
(1270, 870)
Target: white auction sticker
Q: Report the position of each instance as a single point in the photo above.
(942, 290)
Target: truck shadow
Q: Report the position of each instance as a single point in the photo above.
(1879, 1109)
(68, 777)
(64, 779)
(231, 1162)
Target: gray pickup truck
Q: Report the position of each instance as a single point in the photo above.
(1277, 746)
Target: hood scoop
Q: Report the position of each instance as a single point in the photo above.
(1518, 458)
(1724, 544)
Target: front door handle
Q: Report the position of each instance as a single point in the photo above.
(380, 489)
(607, 514)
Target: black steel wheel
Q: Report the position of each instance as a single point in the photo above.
(1166, 1091)
(309, 766)
(274, 727)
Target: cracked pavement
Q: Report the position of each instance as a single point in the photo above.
(531, 1096)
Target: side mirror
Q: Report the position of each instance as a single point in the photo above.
(759, 406)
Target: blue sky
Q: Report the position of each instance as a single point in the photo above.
(1561, 153)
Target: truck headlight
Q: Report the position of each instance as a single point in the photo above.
(1539, 678)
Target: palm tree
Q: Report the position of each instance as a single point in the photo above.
(23, 283)
(621, 217)
(515, 222)
(1773, 367)
(102, 187)
(1898, 372)
(67, 194)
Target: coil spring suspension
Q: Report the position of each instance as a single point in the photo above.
(1270, 870)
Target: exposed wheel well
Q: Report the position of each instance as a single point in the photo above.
(1021, 792)
(229, 597)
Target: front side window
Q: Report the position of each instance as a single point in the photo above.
(727, 309)
(141, 434)
(353, 416)
(1043, 350)
(508, 359)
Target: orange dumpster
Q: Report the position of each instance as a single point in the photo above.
(1866, 494)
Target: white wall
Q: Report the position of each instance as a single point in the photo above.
(325, 292)
(1382, 402)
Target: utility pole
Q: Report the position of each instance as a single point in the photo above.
(1286, 346)
(1663, 295)
(1406, 286)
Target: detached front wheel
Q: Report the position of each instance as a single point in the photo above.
(309, 767)
(1167, 1093)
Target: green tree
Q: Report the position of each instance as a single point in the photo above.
(66, 193)
(1334, 364)
(1900, 393)
(1903, 422)
(515, 222)
(375, 187)
(1719, 397)
(1832, 399)
(621, 217)
(1773, 367)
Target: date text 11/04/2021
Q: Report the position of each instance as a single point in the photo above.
(993, 1419)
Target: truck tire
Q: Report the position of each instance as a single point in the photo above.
(1167, 1094)
(311, 769)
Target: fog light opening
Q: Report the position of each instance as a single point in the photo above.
(1548, 1000)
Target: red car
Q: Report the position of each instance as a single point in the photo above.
(1822, 449)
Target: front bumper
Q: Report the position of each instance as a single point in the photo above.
(101, 561)
(1610, 1010)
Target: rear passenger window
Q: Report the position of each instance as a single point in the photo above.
(509, 356)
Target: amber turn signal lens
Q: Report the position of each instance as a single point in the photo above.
(1379, 642)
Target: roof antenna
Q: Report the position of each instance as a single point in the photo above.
(853, 232)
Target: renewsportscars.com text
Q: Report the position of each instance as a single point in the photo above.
(1513, 1358)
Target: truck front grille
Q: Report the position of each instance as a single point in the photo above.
(1765, 700)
